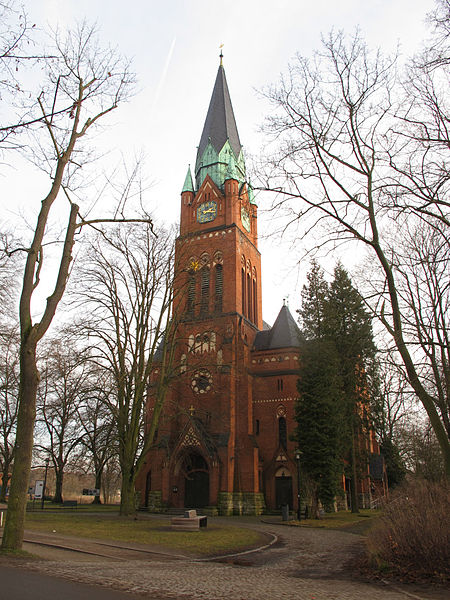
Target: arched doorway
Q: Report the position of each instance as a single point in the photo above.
(196, 482)
(283, 487)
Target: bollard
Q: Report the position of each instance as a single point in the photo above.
(285, 512)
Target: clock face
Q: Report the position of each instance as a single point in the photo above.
(207, 212)
(245, 218)
(201, 382)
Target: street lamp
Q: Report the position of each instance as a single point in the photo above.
(298, 455)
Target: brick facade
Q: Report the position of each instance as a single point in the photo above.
(224, 435)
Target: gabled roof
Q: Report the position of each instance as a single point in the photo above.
(284, 333)
(220, 123)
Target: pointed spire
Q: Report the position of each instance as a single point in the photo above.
(188, 183)
(284, 333)
(220, 124)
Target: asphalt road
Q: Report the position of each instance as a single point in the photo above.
(20, 584)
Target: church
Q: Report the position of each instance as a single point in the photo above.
(223, 438)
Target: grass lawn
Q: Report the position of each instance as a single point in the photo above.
(48, 505)
(343, 520)
(211, 540)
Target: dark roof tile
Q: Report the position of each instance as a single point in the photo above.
(284, 333)
(220, 124)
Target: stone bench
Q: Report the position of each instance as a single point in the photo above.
(189, 522)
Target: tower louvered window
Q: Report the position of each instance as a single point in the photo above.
(249, 297)
(243, 286)
(191, 294)
(255, 303)
(204, 302)
(282, 432)
(218, 289)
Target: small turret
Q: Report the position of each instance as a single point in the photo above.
(188, 183)
(187, 197)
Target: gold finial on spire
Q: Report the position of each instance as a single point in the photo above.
(221, 55)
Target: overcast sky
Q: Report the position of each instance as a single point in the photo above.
(175, 47)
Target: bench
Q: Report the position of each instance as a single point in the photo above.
(70, 503)
(189, 522)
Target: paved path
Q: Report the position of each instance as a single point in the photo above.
(304, 564)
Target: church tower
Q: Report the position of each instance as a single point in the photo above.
(224, 435)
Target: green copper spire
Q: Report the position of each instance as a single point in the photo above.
(188, 183)
(231, 171)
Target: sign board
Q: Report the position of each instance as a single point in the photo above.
(39, 489)
(91, 492)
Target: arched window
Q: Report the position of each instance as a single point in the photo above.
(282, 432)
(204, 291)
(218, 289)
(205, 342)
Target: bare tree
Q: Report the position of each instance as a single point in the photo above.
(423, 283)
(19, 52)
(419, 141)
(9, 388)
(93, 81)
(126, 287)
(334, 126)
(8, 278)
(63, 374)
(111, 480)
(419, 450)
(96, 422)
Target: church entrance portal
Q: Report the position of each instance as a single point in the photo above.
(196, 483)
(283, 488)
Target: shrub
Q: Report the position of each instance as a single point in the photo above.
(412, 538)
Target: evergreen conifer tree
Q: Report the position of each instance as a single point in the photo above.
(349, 327)
(334, 381)
(318, 418)
(314, 300)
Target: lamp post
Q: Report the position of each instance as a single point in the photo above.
(298, 455)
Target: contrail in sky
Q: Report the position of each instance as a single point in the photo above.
(162, 79)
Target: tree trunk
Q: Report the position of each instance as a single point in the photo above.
(29, 378)
(59, 478)
(98, 485)
(5, 478)
(354, 476)
(127, 495)
(315, 510)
